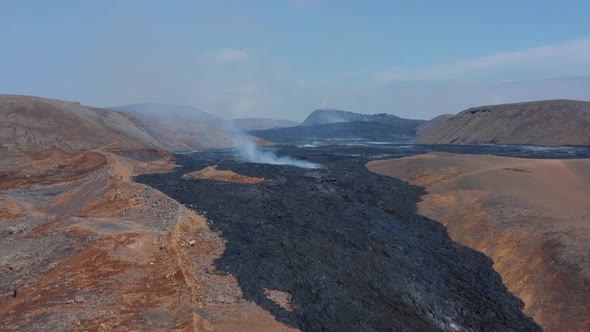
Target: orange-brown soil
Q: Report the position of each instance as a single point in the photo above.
(87, 249)
(532, 217)
(281, 298)
(212, 173)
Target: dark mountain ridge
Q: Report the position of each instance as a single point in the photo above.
(262, 123)
(337, 124)
(329, 115)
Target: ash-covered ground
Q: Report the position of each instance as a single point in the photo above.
(348, 244)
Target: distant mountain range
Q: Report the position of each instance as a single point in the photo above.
(30, 124)
(262, 123)
(337, 124)
(548, 122)
(329, 115)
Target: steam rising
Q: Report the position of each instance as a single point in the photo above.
(251, 153)
(185, 128)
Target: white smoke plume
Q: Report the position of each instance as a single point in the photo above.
(250, 152)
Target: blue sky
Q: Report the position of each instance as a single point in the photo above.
(284, 58)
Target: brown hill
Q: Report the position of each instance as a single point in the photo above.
(432, 124)
(32, 125)
(550, 122)
(86, 248)
(529, 215)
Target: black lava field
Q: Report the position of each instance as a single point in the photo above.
(347, 244)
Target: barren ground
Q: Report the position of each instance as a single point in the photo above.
(212, 173)
(85, 248)
(531, 216)
(339, 248)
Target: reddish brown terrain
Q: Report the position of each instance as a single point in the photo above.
(85, 248)
(212, 173)
(532, 217)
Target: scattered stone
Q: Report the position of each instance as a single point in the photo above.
(20, 228)
(79, 299)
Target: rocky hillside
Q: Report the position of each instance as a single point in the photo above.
(530, 216)
(31, 125)
(549, 122)
(80, 240)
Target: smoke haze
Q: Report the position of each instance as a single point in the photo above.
(250, 152)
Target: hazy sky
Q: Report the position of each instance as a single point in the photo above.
(282, 59)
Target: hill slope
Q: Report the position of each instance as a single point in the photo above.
(328, 115)
(550, 122)
(180, 128)
(432, 124)
(529, 215)
(77, 232)
(32, 125)
(171, 111)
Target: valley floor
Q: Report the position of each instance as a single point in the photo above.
(344, 246)
(135, 239)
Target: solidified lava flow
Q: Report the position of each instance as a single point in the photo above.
(345, 244)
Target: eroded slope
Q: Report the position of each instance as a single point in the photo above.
(87, 249)
(532, 217)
